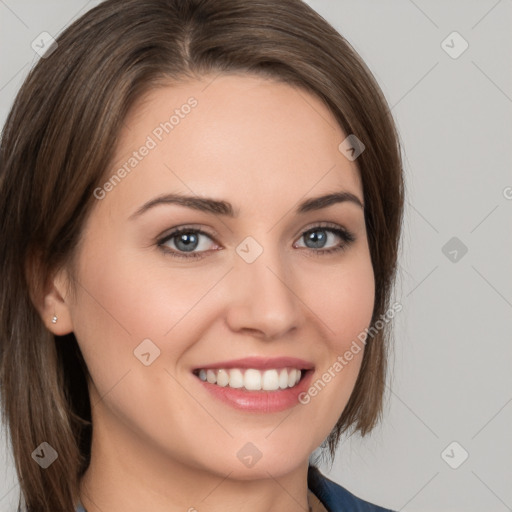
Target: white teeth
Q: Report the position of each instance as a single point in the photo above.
(291, 377)
(222, 378)
(283, 379)
(252, 379)
(236, 379)
(270, 380)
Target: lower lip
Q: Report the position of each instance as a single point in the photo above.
(259, 401)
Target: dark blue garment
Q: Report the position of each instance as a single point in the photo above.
(334, 497)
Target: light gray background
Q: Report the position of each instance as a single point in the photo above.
(452, 378)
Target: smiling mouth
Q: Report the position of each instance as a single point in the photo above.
(251, 379)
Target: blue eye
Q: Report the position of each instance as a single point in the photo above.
(186, 240)
(311, 235)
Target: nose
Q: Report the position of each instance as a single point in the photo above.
(262, 298)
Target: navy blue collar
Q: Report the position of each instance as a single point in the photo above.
(336, 498)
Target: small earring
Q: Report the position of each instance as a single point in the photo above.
(54, 319)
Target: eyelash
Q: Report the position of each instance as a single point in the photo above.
(342, 233)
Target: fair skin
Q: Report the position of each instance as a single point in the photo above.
(160, 441)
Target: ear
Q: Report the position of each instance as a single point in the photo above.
(55, 307)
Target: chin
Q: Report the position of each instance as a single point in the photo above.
(252, 462)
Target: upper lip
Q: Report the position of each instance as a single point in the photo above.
(262, 363)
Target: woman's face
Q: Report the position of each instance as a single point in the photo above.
(152, 310)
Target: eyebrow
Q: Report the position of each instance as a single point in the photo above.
(224, 208)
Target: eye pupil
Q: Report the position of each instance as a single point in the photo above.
(316, 239)
(189, 239)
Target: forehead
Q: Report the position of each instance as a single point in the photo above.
(244, 138)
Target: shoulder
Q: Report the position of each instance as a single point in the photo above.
(335, 497)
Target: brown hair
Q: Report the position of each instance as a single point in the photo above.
(58, 141)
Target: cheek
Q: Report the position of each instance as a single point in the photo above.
(121, 305)
(344, 299)
(125, 298)
(123, 301)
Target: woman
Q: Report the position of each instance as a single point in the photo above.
(201, 203)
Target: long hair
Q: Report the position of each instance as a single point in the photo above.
(57, 145)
